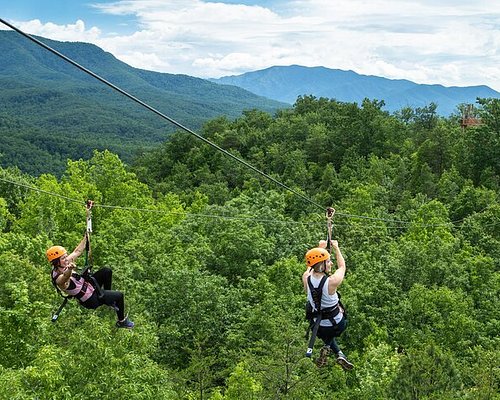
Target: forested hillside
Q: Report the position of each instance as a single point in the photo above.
(50, 110)
(210, 258)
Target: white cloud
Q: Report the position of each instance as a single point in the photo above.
(452, 42)
(70, 32)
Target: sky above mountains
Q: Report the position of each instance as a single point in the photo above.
(449, 42)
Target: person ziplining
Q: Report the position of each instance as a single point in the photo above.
(92, 290)
(324, 311)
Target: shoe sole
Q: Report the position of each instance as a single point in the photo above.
(345, 364)
(125, 327)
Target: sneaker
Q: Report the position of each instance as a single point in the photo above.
(323, 356)
(126, 323)
(344, 362)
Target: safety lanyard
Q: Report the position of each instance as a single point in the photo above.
(330, 211)
(88, 252)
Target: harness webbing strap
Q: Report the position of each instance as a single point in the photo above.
(317, 304)
(316, 293)
(87, 272)
(55, 316)
(330, 211)
(100, 292)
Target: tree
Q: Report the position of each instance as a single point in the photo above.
(428, 372)
(242, 385)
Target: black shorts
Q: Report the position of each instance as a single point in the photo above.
(327, 333)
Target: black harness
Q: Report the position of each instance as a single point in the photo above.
(55, 316)
(317, 313)
(88, 280)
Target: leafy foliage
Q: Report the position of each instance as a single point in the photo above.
(209, 257)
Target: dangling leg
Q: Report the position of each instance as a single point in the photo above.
(334, 346)
(344, 362)
(325, 334)
(341, 357)
(324, 352)
(114, 299)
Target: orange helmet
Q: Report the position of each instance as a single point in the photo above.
(316, 255)
(55, 252)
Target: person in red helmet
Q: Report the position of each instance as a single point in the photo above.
(83, 287)
(321, 289)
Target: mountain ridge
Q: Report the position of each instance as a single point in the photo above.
(286, 83)
(60, 112)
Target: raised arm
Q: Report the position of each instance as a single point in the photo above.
(338, 276)
(78, 249)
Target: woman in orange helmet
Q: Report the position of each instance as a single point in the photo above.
(321, 289)
(83, 287)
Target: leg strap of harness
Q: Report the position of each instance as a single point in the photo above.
(314, 333)
(56, 315)
(100, 292)
(88, 275)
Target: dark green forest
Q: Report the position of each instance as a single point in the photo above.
(210, 256)
(51, 111)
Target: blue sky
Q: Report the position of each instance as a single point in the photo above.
(449, 42)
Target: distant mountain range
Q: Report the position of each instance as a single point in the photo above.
(51, 111)
(286, 83)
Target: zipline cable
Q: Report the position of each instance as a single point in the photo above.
(230, 217)
(142, 103)
(151, 210)
(372, 218)
(41, 190)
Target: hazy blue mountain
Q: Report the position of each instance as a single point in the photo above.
(50, 110)
(287, 83)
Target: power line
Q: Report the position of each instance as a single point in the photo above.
(142, 103)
